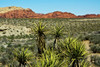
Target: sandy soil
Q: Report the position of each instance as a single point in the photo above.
(87, 43)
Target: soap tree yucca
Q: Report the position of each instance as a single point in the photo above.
(39, 30)
(74, 51)
(57, 33)
(23, 56)
(49, 59)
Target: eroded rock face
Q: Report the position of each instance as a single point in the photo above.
(59, 14)
(18, 12)
(30, 14)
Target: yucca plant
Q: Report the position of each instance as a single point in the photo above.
(57, 33)
(74, 51)
(49, 59)
(40, 29)
(23, 56)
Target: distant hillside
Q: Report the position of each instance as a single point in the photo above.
(18, 12)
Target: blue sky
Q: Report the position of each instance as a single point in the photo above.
(78, 7)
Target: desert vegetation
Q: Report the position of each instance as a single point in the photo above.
(49, 42)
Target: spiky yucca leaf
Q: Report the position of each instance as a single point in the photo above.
(57, 33)
(84, 63)
(74, 50)
(49, 59)
(23, 56)
(39, 30)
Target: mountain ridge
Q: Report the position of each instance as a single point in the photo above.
(19, 12)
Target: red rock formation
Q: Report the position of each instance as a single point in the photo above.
(28, 13)
(59, 14)
(90, 16)
(19, 14)
(98, 15)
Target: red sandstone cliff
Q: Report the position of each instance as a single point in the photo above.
(18, 12)
(90, 16)
(59, 14)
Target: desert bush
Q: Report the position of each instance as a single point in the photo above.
(2, 49)
(7, 56)
(93, 38)
(95, 48)
(96, 60)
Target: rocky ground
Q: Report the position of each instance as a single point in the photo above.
(87, 44)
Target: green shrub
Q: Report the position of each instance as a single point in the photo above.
(94, 38)
(95, 48)
(96, 60)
